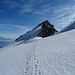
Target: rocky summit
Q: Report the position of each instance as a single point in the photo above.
(48, 29)
(43, 29)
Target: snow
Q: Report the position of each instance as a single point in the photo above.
(31, 34)
(54, 55)
(68, 28)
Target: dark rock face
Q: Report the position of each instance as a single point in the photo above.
(48, 29)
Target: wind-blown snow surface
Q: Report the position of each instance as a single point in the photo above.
(53, 55)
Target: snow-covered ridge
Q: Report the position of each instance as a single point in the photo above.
(31, 34)
(43, 29)
(68, 28)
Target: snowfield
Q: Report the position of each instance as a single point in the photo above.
(54, 55)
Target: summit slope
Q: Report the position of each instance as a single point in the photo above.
(44, 29)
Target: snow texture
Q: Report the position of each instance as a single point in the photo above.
(51, 56)
(54, 55)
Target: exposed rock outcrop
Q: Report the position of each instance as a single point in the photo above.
(48, 29)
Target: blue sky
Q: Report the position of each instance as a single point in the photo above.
(19, 16)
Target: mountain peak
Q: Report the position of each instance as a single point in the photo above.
(43, 29)
(46, 22)
(48, 29)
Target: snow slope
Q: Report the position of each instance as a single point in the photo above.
(53, 55)
(31, 34)
(68, 28)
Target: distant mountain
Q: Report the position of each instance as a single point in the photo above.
(5, 41)
(42, 30)
(68, 28)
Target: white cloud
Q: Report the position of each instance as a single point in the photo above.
(9, 35)
(65, 15)
(10, 3)
(26, 8)
(60, 15)
(11, 25)
(23, 6)
(12, 31)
